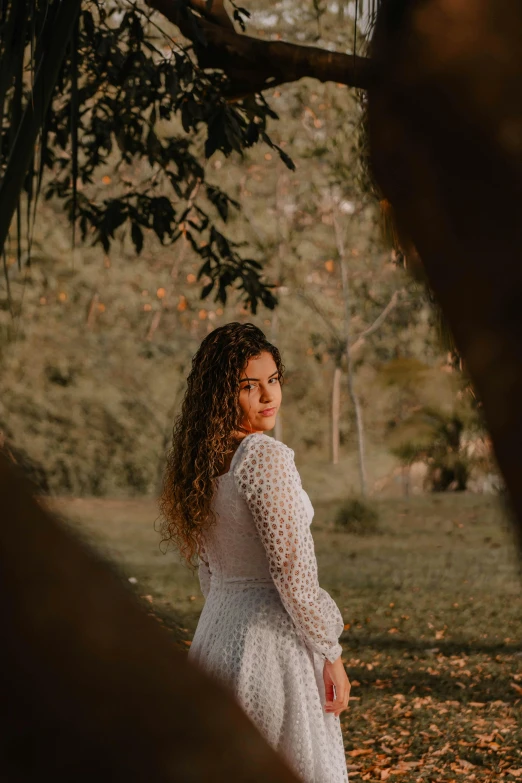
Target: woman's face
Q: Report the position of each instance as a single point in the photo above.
(260, 393)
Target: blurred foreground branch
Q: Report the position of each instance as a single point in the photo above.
(92, 688)
(445, 128)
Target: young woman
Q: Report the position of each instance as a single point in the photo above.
(233, 499)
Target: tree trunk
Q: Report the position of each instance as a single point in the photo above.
(359, 426)
(336, 411)
(360, 433)
(445, 122)
(93, 689)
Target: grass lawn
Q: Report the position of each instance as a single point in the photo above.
(432, 640)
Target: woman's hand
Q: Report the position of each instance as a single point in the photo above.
(335, 676)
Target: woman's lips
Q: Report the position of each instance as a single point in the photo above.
(268, 412)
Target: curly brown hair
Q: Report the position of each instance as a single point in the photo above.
(206, 431)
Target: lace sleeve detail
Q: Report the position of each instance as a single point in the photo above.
(267, 478)
(204, 572)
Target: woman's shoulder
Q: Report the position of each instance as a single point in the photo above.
(259, 447)
(262, 459)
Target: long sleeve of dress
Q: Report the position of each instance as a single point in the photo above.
(204, 572)
(267, 478)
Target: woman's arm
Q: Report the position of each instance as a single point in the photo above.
(267, 478)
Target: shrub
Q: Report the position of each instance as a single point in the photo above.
(357, 516)
(436, 438)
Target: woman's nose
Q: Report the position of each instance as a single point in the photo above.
(266, 395)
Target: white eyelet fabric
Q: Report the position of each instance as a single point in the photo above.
(267, 627)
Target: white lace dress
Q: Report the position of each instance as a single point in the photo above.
(267, 626)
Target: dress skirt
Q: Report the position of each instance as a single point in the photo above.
(247, 640)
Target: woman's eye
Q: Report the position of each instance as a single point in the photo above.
(276, 380)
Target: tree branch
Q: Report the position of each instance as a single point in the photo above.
(310, 301)
(252, 64)
(377, 323)
(214, 11)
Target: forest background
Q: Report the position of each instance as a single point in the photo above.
(95, 345)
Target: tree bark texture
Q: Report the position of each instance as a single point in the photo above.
(445, 127)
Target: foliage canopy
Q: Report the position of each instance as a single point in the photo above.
(123, 79)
